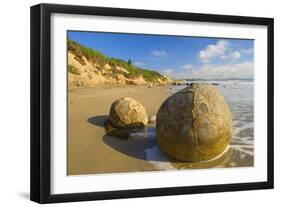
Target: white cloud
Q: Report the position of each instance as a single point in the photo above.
(159, 53)
(187, 66)
(213, 51)
(238, 70)
(208, 71)
(232, 56)
(138, 64)
(169, 72)
(247, 51)
(222, 50)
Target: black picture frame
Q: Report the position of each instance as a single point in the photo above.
(40, 184)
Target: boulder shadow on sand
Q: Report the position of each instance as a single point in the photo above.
(135, 146)
(98, 120)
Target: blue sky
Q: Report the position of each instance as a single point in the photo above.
(176, 56)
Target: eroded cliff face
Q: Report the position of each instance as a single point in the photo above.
(87, 73)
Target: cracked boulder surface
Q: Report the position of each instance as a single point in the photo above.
(194, 124)
(127, 113)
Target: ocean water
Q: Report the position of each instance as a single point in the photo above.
(239, 95)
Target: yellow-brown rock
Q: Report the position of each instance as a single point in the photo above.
(194, 124)
(127, 113)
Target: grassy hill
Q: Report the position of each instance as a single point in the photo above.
(115, 67)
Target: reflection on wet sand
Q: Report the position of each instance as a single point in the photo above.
(144, 140)
(92, 151)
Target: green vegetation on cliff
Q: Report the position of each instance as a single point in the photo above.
(99, 58)
(73, 69)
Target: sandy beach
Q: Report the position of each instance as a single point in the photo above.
(90, 150)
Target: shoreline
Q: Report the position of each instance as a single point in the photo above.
(90, 149)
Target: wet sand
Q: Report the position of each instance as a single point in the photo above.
(90, 151)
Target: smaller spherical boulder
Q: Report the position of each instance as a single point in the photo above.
(127, 113)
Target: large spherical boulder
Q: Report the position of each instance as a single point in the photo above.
(127, 113)
(194, 124)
